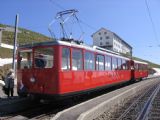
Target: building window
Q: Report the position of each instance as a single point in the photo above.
(89, 61)
(100, 62)
(76, 59)
(65, 59)
(115, 49)
(100, 38)
(107, 37)
(100, 43)
(107, 43)
(105, 33)
(99, 33)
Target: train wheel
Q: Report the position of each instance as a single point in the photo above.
(33, 97)
(20, 94)
(132, 80)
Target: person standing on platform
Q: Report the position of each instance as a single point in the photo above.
(9, 83)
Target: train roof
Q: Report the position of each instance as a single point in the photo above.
(140, 62)
(73, 44)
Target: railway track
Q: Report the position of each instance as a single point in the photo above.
(143, 105)
(34, 110)
(125, 110)
(37, 111)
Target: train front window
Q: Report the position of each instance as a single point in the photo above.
(43, 58)
(25, 59)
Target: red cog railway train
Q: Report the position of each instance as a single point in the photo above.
(65, 68)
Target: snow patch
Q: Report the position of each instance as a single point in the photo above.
(6, 46)
(5, 61)
(157, 71)
(2, 83)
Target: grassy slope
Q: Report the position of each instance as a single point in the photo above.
(5, 53)
(26, 36)
(151, 65)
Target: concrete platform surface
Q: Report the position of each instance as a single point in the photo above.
(91, 109)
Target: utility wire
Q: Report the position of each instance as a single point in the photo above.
(84, 23)
(89, 26)
(153, 25)
(57, 5)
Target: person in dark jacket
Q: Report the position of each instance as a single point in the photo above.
(9, 83)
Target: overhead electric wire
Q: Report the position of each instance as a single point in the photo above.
(57, 5)
(84, 23)
(89, 26)
(153, 25)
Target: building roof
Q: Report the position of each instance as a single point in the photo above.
(101, 29)
(114, 35)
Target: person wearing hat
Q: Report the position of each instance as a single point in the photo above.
(9, 83)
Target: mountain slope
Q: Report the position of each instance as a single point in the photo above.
(24, 36)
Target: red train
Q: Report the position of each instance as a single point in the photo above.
(65, 68)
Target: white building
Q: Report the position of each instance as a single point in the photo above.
(109, 40)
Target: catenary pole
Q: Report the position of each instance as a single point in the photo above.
(15, 43)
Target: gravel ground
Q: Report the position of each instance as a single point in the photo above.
(118, 109)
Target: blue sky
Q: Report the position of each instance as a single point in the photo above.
(128, 18)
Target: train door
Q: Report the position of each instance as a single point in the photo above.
(44, 73)
(24, 68)
(132, 68)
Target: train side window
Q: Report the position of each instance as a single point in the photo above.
(77, 62)
(124, 64)
(136, 66)
(44, 57)
(114, 63)
(65, 59)
(127, 64)
(100, 62)
(145, 66)
(89, 61)
(119, 64)
(107, 63)
(141, 66)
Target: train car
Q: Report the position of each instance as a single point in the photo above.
(65, 68)
(140, 70)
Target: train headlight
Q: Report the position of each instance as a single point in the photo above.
(32, 79)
